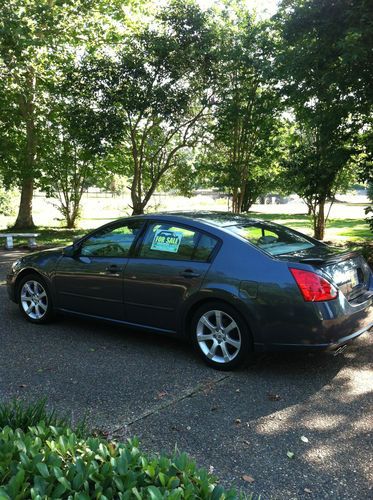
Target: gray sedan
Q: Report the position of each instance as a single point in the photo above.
(232, 284)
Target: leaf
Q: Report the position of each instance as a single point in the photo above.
(43, 469)
(161, 394)
(273, 397)
(218, 493)
(58, 491)
(248, 479)
(304, 439)
(290, 454)
(155, 493)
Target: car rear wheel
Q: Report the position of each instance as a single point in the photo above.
(34, 299)
(221, 336)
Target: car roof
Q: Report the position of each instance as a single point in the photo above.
(210, 218)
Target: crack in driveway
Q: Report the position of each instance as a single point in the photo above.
(120, 431)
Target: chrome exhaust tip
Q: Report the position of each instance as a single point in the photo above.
(340, 350)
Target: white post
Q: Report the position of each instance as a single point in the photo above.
(32, 243)
(9, 242)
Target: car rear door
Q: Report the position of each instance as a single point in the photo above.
(169, 267)
(91, 281)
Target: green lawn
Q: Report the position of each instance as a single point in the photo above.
(338, 230)
(50, 236)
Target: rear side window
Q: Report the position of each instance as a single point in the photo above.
(273, 239)
(167, 241)
(205, 247)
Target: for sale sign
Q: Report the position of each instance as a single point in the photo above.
(167, 241)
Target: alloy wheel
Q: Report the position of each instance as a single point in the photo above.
(34, 299)
(218, 336)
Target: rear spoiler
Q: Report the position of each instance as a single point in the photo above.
(330, 260)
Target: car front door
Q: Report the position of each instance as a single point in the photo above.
(91, 281)
(169, 267)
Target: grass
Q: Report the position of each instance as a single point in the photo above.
(338, 230)
(51, 236)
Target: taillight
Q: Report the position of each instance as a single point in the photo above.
(313, 287)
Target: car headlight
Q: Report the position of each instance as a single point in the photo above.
(16, 265)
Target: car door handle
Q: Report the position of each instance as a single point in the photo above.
(113, 269)
(189, 273)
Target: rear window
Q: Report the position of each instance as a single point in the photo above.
(275, 240)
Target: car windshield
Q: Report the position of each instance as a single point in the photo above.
(273, 239)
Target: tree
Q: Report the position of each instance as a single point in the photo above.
(302, 166)
(245, 130)
(35, 37)
(316, 77)
(75, 164)
(149, 98)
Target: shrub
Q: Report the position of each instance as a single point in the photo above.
(19, 415)
(7, 201)
(53, 462)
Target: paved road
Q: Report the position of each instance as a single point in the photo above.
(241, 423)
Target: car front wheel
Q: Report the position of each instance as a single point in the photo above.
(34, 299)
(221, 336)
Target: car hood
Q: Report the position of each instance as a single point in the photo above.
(49, 252)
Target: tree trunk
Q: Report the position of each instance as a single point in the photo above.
(137, 204)
(27, 108)
(319, 222)
(24, 218)
(71, 219)
(235, 201)
(137, 208)
(71, 223)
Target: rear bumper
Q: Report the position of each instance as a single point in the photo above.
(330, 327)
(330, 346)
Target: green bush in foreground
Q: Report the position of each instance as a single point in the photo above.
(19, 415)
(53, 462)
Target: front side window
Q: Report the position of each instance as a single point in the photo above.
(111, 242)
(168, 241)
(273, 239)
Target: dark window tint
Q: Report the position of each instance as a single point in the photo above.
(205, 248)
(111, 242)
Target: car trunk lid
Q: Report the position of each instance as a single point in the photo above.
(347, 270)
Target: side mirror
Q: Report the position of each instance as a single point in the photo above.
(69, 251)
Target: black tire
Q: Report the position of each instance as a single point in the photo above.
(35, 298)
(233, 330)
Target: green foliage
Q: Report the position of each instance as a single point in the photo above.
(241, 155)
(149, 96)
(314, 73)
(53, 462)
(36, 39)
(19, 415)
(73, 157)
(7, 201)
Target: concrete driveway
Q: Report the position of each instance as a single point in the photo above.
(241, 425)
